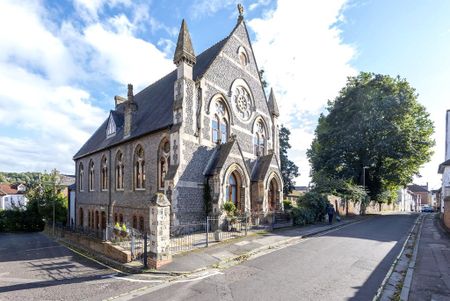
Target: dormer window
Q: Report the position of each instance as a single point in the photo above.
(111, 129)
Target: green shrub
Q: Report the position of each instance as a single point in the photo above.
(287, 204)
(303, 216)
(19, 220)
(229, 208)
(315, 202)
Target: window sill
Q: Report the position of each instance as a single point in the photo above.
(120, 189)
(139, 189)
(104, 190)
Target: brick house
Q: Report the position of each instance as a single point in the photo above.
(209, 120)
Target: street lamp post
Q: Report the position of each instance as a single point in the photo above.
(364, 176)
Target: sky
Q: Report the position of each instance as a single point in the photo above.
(62, 63)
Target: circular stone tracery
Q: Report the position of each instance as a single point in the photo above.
(242, 103)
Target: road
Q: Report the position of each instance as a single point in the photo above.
(33, 267)
(344, 264)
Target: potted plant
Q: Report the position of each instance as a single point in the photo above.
(230, 210)
(117, 229)
(123, 231)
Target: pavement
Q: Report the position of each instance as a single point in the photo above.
(431, 272)
(344, 263)
(233, 251)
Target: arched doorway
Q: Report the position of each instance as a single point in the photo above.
(273, 195)
(233, 190)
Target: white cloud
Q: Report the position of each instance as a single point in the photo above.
(257, 4)
(57, 120)
(46, 71)
(25, 40)
(125, 58)
(209, 7)
(306, 62)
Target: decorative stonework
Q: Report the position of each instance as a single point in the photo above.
(159, 231)
(242, 103)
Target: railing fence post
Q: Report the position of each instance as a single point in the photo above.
(145, 251)
(207, 230)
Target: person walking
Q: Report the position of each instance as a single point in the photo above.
(330, 212)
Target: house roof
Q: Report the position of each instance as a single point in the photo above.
(219, 157)
(261, 168)
(155, 107)
(417, 188)
(7, 189)
(442, 166)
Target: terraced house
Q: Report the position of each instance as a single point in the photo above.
(207, 121)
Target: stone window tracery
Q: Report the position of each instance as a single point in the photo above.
(139, 168)
(104, 174)
(219, 123)
(119, 171)
(260, 138)
(91, 176)
(164, 162)
(242, 103)
(80, 176)
(243, 56)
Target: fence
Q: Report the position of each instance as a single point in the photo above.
(186, 237)
(129, 239)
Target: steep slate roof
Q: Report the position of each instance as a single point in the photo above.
(155, 107)
(417, 188)
(219, 157)
(262, 166)
(442, 166)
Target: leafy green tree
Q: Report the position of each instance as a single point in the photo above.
(288, 168)
(375, 130)
(46, 194)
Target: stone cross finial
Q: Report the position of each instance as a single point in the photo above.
(241, 11)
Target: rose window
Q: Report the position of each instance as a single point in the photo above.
(242, 103)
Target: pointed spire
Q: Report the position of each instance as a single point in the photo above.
(273, 107)
(184, 50)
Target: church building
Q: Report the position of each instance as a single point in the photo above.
(208, 122)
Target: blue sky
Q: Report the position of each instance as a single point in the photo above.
(62, 62)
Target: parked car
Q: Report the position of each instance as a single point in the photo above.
(427, 208)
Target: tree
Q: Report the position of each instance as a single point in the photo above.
(46, 194)
(288, 168)
(375, 130)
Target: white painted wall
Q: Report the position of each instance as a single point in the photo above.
(11, 201)
(72, 207)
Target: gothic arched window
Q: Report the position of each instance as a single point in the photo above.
(80, 176)
(119, 171)
(219, 123)
(91, 176)
(104, 174)
(139, 168)
(260, 138)
(164, 162)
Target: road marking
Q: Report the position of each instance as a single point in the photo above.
(206, 275)
(94, 260)
(114, 276)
